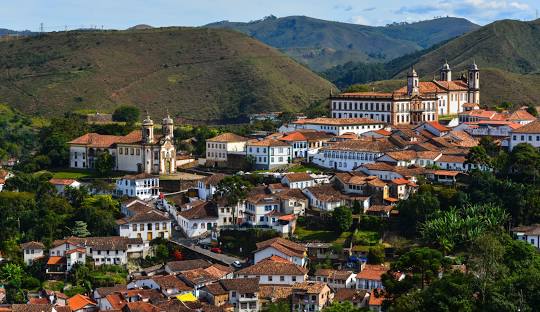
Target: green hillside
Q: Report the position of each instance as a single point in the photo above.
(322, 44)
(196, 73)
(508, 45)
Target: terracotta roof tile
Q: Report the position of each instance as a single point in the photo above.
(298, 177)
(372, 272)
(269, 267)
(267, 143)
(62, 181)
(32, 245)
(532, 127)
(227, 137)
(286, 246)
(78, 302)
(204, 210)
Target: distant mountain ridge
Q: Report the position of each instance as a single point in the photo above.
(197, 74)
(321, 44)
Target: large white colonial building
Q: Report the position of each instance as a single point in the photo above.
(139, 151)
(415, 103)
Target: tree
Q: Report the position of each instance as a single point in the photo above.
(478, 156)
(357, 208)
(486, 262)
(415, 210)
(80, 229)
(129, 114)
(11, 276)
(531, 109)
(423, 264)
(235, 190)
(375, 255)
(525, 163)
(104, 164)
(342, 218)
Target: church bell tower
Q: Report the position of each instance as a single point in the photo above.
(473, 83)
(148, 130)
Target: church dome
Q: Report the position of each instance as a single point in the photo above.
(413, 72)
(473, 66)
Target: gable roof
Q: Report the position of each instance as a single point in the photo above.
(202, 210)
(338, 121)
(372, 272)
(32, 245)
(270, 267)
(105, 141)
(285, 246)
(55, 181)
(532, 127)
(298, 177)
(79, 301)
(267, 143)
(186, 265)
(228, 137)
(170, 282)
(241, 285)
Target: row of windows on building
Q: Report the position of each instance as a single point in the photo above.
(146, 182)
(215, 145)
(383, 118)
(351, 155)
(527, 138)
(216, 154)
(263, 159)
(365, 106)
(129, 151)
(280, 150)
(149, 226)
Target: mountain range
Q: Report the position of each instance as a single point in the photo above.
(321, 44)
(198, 74)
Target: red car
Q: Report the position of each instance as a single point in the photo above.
(216, 250)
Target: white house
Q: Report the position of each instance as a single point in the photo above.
(169, 285)
(348, 155)
(530, 134)
(144, 186)
(336, 278)
(339, 126)
(243, 293)
(218, 148)
(145, 225)
(306, 143)
(299, 180)
(528, 233)
(268, 153)
(283, 248)
(370, 277)
(32, 251)
(207, 187)
(61, 184)
(274, 271)
(199, 219)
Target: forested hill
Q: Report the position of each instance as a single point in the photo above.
(505, 51)
(197, 73)
(322, 44)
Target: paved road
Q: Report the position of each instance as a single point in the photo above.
(225, 259)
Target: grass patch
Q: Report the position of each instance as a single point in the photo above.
(305, 168)
(369, 238)
(305, 234)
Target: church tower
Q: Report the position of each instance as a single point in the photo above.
(445, 72)
(473, 83)
(168, 127)
(412, 82)
(148, 130)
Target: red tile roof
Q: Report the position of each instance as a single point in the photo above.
(104, 141)
(78, 302)
(227, 137)
(62, 181)
(298, 177)
(283, 245)
(55, 260)
(267, 143)
(372, 272)
(532, 127)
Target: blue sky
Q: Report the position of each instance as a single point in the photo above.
(120, 14)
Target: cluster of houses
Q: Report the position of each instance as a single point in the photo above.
(279, 273)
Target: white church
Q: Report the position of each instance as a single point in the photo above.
(139, 151)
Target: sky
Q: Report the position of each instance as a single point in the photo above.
(120, 14)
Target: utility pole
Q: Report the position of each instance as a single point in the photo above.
(41, 27)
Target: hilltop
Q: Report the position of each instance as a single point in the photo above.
(198, 74)
(321, 44)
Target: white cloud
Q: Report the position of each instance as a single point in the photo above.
(359, 20)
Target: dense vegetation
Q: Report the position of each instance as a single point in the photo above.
(322, 44)
(463, 232)
(196, 73)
